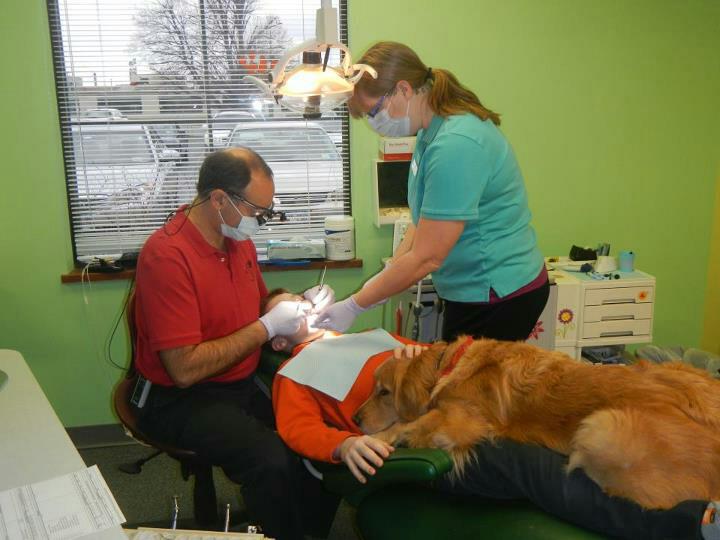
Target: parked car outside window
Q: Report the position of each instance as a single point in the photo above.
(224, 122)
(307, 167)
(103, 114)
(170, 136)
(118, 169)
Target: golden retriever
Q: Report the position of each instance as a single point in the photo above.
(647, 432)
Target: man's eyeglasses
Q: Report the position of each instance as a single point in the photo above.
(262, 214)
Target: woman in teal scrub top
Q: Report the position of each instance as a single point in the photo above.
(472, 232)
(471, 222)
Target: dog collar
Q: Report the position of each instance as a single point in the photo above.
(456, 357)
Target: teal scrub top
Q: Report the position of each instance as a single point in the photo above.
(463, 169)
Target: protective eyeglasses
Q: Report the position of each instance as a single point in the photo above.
(379, 104)
(262, 214)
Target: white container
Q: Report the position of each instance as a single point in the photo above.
(340, 238)
(396, 148)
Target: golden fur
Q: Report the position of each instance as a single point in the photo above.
(647, 432)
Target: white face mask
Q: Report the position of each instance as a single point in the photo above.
(387, 126)
(245, 229)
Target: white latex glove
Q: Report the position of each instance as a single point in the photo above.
(320, 297)
(363, 454)
(285, 318)
(339, 316)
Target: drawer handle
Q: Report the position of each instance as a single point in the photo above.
(617, 317)
(619, 301)
(616, 334)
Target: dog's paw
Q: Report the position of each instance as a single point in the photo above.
(394, 435)
(384, 436)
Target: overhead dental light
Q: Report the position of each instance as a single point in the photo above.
(313, 87)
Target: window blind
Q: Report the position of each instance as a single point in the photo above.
(147, 88)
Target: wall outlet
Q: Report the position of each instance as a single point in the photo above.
(401, 226)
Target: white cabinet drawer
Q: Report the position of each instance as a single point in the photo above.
(594, 330)
(617, 312)
(619, 295)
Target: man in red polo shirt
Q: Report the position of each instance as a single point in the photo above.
(323, 428)
(199, 333)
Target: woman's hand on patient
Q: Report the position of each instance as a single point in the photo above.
(362, 454)
(409, 351)
(339, 316)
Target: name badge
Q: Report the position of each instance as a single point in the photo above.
(413, 167)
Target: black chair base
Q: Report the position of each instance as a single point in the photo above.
(135, 467)
(204, 497)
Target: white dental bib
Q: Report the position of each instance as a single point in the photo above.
(331, 365)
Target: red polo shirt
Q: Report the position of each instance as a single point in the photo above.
(188, 292)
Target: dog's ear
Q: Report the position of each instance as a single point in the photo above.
(414, 384)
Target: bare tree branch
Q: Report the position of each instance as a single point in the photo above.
(169, 37)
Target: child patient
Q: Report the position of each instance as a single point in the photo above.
(320, 427)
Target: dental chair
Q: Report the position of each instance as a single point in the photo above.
(399, 502)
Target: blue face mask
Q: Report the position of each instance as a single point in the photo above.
(387, 126)
(245, 229)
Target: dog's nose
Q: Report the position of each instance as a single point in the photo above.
(356, 418)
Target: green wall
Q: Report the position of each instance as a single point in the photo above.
(611, 107)
(711, 334)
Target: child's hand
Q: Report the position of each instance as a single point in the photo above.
(362, 454)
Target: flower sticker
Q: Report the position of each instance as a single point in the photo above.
(535, 334)
(642, 296)
(566, 316)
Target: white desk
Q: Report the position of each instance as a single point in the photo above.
(34, 445)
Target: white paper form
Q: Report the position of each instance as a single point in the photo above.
(331, 365)
(63, 508)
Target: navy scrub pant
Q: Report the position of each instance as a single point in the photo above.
(508, 320)
(510, 470)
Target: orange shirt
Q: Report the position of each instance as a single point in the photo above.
(312, 423)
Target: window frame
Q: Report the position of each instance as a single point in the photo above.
(66, 106)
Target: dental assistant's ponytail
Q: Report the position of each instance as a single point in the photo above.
(448, 96)
(397, 62)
